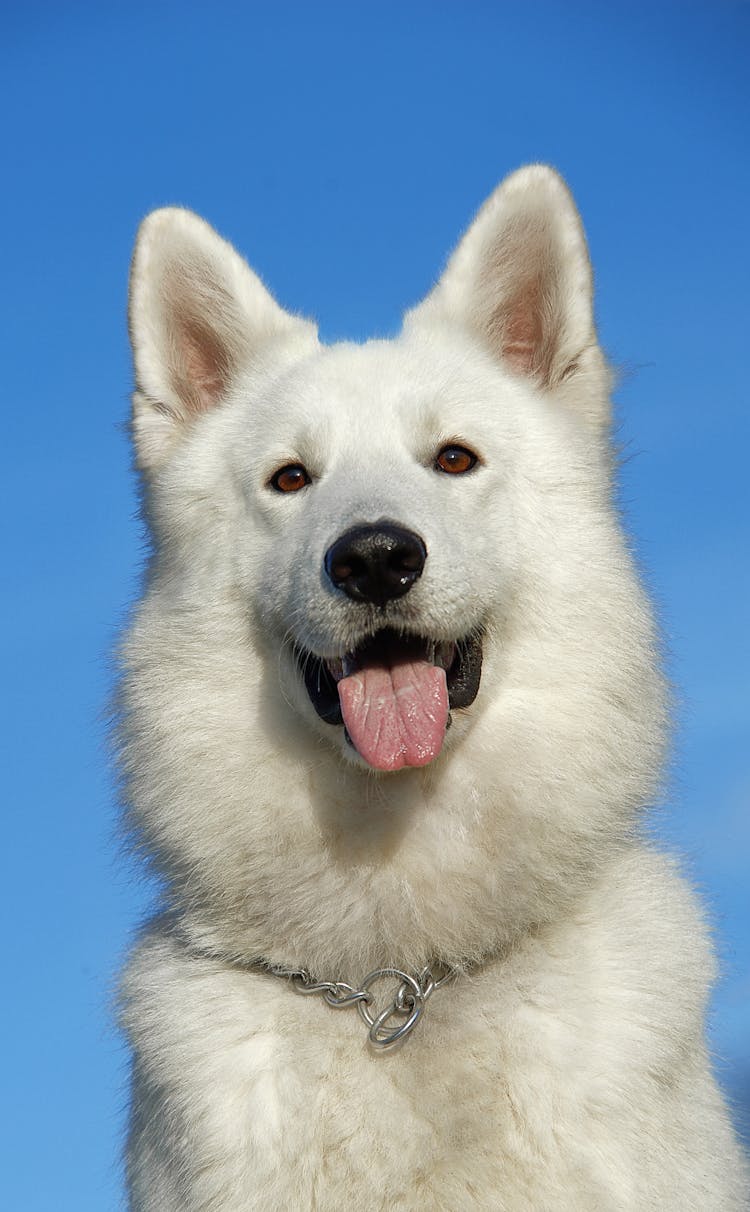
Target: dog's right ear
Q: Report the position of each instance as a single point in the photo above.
(198, 316)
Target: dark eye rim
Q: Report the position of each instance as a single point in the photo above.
(473, 457)
(274, 480)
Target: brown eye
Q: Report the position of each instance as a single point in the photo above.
(290, 479)
(455, 460)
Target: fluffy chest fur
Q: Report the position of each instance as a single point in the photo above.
(560, 1076)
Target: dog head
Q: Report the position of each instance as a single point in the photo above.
(398, 558)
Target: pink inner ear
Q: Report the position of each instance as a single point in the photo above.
(203, 365)
(522, 329)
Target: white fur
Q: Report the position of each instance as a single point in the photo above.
(564, 1068)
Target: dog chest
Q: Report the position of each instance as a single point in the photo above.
(262, 1098)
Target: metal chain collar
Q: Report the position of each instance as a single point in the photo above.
(398, 1017)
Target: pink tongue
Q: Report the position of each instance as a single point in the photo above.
(396, 717)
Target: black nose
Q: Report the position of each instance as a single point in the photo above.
(376, 563)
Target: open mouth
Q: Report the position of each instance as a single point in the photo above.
(394, 693)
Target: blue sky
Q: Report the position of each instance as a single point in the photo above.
(342, 148)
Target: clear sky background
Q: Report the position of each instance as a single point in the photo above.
(342, 147)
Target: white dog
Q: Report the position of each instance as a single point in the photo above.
(391, 711)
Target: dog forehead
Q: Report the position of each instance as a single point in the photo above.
(381, 392)
(360, 381)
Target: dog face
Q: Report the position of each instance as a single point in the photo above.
(396, 560)
(377, 603)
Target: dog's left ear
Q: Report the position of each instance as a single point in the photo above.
(521, 281)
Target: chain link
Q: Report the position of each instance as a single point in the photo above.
(399, 1016)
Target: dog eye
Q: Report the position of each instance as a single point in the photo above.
(455, 460)
(290, 478)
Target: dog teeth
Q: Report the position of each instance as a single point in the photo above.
(444, 654)
(436, 652)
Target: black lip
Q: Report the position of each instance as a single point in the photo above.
(462, 678)
(321, 686)
(465, 673)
